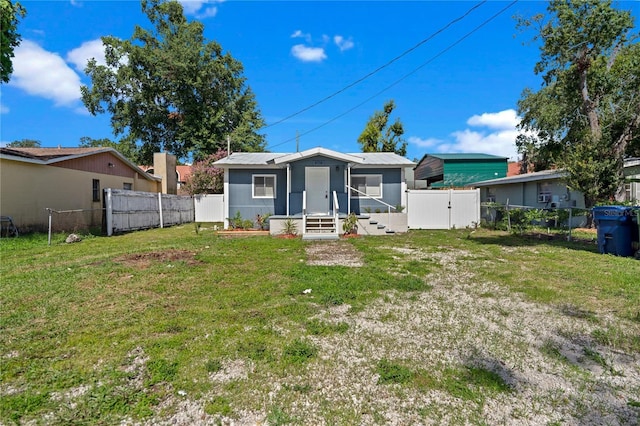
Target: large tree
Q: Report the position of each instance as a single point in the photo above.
(380, 136)
(171, 89)
(25, 143)
(586, 116)
(10, 14)
(125, 147)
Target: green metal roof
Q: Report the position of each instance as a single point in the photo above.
(467, 156)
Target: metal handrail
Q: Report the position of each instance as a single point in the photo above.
(389, 206)
(369, 196)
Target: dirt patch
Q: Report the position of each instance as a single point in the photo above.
(144, 260)
(334, 253)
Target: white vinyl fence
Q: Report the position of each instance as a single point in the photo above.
(131, 210)
(209, 207)
(445, 209)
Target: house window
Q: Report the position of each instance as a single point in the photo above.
(544, 192)
(127, 186)
(370, 185)
(491, 195)
(264, 186)
(96, 190)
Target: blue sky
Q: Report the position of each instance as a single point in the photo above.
(456, 92)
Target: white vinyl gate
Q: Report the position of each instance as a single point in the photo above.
(209, 207)
(446, 209)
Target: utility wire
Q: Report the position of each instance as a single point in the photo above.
(361, 79)
(424, 64)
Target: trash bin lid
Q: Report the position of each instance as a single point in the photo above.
(613, 213)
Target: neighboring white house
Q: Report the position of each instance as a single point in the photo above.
(545, 189)
(632, 177)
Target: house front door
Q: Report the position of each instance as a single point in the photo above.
(317, 187)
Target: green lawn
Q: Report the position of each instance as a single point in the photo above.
(145, 325)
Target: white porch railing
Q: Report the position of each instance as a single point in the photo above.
(304, 211)
(389, 206)
(336, 210)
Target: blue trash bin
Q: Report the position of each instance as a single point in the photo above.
(617, 229)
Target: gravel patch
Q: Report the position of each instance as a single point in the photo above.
(334, 253)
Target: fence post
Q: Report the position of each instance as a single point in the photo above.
(570, 223)
(160, 208)
(506, 207)
(109, 212)
(49, 237)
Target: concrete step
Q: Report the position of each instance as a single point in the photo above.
(315, 236)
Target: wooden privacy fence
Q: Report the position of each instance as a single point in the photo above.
(132, 210)
(443, 209)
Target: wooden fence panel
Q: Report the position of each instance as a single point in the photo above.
(133, 210)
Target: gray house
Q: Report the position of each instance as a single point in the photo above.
(545, 189)
(316, 188)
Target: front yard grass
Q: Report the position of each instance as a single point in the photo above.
(141, 326)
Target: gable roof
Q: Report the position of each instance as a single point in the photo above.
(278, 160)
(49, 156)
(527, 177)
(288, 158)
(464, 156)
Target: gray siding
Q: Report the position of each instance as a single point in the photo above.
(391, 187)
(241, 198)
(336, 178)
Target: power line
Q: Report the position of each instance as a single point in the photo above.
(361, 79)
(424, 64)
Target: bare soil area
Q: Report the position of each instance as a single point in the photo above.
(334, 253)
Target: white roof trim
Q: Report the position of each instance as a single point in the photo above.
(527, 177)
(318, 151)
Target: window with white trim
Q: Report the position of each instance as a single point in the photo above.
(370, 185)
(264, 186)
(491, 195)
(544, 192)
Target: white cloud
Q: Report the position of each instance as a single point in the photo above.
(308, 54)
(87, 50)
(342, 43)
(499, 139)
(4, 109)
(45, 74)
(300, 34)
(497, 143)
(507, 119)
(200, 8)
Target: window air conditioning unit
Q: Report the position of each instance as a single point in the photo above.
(544, 198)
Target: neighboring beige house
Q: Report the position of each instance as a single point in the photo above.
(64, 179)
